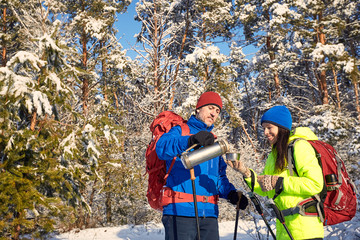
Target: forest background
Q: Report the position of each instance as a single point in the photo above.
(75, 109)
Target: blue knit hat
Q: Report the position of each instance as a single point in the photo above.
(279, 116)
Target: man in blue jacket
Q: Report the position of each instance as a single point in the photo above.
(210, 183)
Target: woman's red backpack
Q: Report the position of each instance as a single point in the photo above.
(338, 197)
(155, 167)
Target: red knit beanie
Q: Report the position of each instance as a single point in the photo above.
(209, 98)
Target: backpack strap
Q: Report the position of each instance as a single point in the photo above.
(303, 207)
(171, 196)
(290, 157)
(328, 150)
(185, 131)
(310, 207)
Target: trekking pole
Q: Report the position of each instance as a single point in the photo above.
(258, 208)
(280, 216)
(237, 214)
(256, 227)
(192, 177)
(257, 205)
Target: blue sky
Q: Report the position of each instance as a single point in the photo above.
(127, 27)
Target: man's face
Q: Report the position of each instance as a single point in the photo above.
(208, 114)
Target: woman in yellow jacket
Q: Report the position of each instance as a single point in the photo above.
(276, 178)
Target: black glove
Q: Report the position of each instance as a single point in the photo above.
(233, 198)
(202, 138)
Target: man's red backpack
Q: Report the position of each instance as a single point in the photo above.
(337, 201)
(155, 167)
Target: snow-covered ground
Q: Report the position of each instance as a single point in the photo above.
(246, 231)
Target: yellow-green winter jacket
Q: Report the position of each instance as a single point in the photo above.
(296, 188)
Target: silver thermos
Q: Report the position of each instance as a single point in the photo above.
(191, 159)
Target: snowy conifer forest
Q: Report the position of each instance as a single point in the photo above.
(76, 109)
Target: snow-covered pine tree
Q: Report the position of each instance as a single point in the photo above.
(96, 133)
(33, 83)
(255, 19)
(293, 34)
(321, 43)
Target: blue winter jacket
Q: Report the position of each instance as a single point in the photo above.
(210, 175)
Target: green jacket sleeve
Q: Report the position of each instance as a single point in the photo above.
(257, 188)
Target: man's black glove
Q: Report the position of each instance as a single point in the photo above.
(233, 198)
(202, 138)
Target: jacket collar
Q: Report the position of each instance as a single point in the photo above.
(198, 124)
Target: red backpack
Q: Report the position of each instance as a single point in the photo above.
(155, 167)
(337, 201)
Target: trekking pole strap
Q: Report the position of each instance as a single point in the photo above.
(252, 181)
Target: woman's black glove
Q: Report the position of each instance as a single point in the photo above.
(202, 138)
(233, 198)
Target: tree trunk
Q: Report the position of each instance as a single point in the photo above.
(354, 78)
(322, 74)
(103, 69)
(156, 48)
(276, 75)
(33, 120)
(253, 126)
(3, 54)
(91, 201)
(269, 94)
(108, 205)
(206, 69)
(85, 86)
(17, 227)
(271, 53)
(336, 89)
(116, 101)
(356, 90)
(155, 57)
(310, 82)
(179, 58)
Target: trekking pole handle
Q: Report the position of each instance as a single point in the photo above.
(194, 145)
(237, 214)
(238, 203)
(280, 216)
(192, 174)
(256, 202)
(277, 211)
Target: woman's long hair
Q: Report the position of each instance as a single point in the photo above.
(281, 146)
